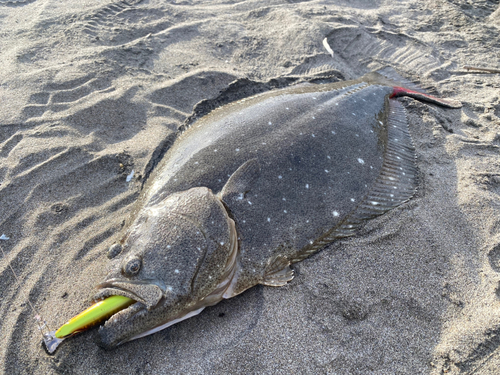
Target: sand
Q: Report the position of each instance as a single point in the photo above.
(92, 90)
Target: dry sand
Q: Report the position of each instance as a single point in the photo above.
(89, 91)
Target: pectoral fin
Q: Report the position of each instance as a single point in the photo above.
(278, 272)
(240, 181)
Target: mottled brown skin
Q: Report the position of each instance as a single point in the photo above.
(255, 186)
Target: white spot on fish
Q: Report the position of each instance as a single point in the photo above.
(284, 211)
(215, 150)
(176, 271)
(313, 135)
(361, 161)
(307, 186)
(3, 237)
(250, 203)
(333, 132)
(352, 199)
(328, 156)
(280, 177)
(327, 171)
(314, 118)
(168, 246)
(130, 176)
(354, 114)
(335, 213)
(287, 108)
(196, 162)
(268, 219)
(270, 123)
(374, 203)
(380, 122)
(237, 150)
(222, 243)
(284, 198)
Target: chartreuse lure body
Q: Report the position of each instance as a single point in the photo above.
(93, 315)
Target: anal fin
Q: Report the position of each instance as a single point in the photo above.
(278, 272)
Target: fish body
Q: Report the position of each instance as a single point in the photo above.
(253, 187)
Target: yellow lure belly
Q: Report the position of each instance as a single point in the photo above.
(93, 315)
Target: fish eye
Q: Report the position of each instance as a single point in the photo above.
(132, 267)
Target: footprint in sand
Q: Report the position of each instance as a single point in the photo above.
(58, 97)
(122, 22)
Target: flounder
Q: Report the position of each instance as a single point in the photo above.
(253, 187)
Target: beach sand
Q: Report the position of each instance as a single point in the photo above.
(92, 90)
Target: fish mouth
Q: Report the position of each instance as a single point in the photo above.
(147, 292)
(111, 332)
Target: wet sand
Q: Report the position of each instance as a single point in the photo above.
(90, 91)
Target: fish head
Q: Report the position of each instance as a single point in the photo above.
(178, 257)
